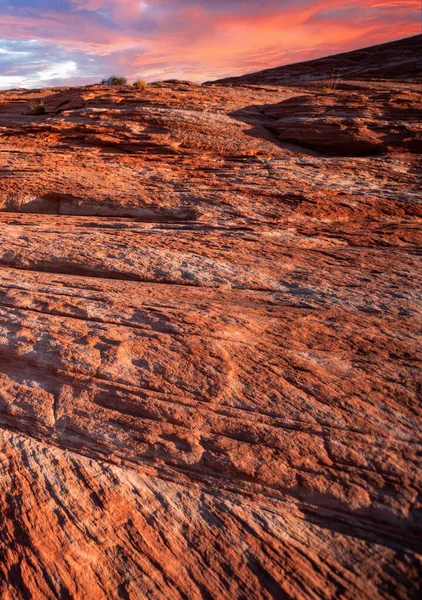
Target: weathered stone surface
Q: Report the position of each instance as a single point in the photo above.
(398, 60)
(208, 348)
(351, 123)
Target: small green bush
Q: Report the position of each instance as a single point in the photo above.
(114, 80)
(140, 84)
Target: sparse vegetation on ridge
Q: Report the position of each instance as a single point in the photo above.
(327, 83)
(140, 84)
(115, 80)
(37, 106)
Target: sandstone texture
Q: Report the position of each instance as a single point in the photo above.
(210, 327)
(399, 60)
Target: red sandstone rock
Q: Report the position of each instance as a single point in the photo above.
(398, 60)
(350, 123)
(209, 340)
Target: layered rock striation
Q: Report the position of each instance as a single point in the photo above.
(209, 329)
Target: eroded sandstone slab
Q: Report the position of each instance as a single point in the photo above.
(209, 368)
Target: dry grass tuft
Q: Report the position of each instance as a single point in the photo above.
(140, 84)
(37, 106)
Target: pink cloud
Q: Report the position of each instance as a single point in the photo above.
(200, 40)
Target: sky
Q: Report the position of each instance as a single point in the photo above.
(45, 43)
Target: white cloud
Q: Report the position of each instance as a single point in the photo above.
(10, 81)
(60, 70)
(13, 52)
(53, 73)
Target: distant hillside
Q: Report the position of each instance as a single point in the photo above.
(399, 60)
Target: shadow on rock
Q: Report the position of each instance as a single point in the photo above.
(338, 123)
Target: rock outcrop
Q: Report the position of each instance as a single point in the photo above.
(398, 60)
(350, 123)
(209, 335)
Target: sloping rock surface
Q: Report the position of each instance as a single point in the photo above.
(399, 60)
(351, 123)
(209, 335)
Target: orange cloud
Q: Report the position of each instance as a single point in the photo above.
(199, 39)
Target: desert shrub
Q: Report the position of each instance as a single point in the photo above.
(140, 84)
(37, 106)
(327, 83)
(114, 80)
(159, 84)
(334, 80)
